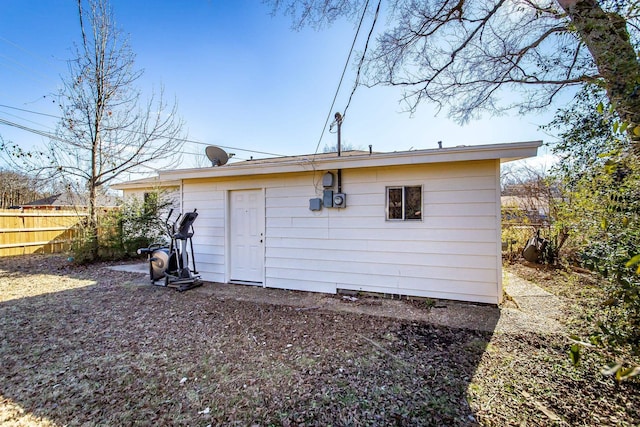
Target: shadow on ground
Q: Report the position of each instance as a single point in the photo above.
(112, 352)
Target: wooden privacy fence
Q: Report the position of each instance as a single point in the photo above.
(37, 231)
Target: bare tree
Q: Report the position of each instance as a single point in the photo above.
(17, 188)
(469, 56)
(106, 128)
(529, 189)
(334, 148)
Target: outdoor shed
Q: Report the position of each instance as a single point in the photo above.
(421, 223)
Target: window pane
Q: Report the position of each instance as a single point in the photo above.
(395, 203)
(413, 202)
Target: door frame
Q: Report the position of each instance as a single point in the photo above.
(229, 239)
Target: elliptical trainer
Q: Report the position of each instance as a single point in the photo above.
(172, 262)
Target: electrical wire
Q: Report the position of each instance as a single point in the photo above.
(42, 133)
(31, 130)
(14, 65)
(25, 120)
(344, 70)
(30, 111)
(33, 74)
(235, 148)
(364, 52)
(45, 134)
(28, 52)
(52, 136)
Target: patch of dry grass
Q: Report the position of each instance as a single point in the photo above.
(93, 347)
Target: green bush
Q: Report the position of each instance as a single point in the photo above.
(123, 231)
(604, 212)
(601, 174)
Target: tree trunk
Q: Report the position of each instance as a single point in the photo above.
(93, 223)
(606, 36)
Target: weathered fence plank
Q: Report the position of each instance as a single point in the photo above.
(37, 231)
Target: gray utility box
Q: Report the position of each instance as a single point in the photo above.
(327, 198)
(339, 200)
(315, 204)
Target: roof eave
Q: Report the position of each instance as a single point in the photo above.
(151, 183)
(504, 152)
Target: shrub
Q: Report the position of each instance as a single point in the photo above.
(136, 224)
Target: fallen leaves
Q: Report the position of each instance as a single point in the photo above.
(94, 352)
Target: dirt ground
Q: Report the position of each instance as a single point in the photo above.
(87, 345)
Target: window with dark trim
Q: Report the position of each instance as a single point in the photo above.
(404, 203)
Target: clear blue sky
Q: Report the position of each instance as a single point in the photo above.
(242, 78)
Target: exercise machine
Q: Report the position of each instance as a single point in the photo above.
(172, 262)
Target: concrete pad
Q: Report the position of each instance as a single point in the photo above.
(131, 268)
(536, 309)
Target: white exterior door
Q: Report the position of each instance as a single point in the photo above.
(247, 236)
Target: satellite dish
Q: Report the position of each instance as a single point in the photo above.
(217, 155)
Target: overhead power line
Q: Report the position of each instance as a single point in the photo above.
(29, 111)
(32, 130)
(344, 70)
(27, 51)
(23, 119)
(52, 136)
(364, 52)
(33, 74)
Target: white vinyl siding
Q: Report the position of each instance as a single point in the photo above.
(209, 239)
(452, 253)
